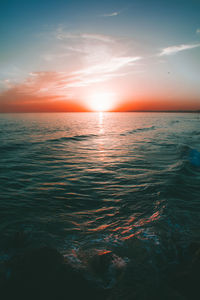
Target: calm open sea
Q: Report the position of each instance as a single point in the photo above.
(122, 182)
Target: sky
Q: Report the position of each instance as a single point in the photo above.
(60, 55)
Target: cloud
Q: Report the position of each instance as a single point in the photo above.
(6, 84)
(102, 72)
(175, 49)
(63, 84)
(90, 57)
(40, 83)
(60, 82)
(87, 36)
(14, 100)
(198, 30)
(79, 62)
(113, 14)
(112, 65)
(82, 46)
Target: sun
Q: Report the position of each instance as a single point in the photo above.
(101, 101)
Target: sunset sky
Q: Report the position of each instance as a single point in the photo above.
(119, 55)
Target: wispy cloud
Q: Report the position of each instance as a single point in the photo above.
(103, 72)
(62, 84)
(198, 30)
(113, 14)
(114, 64)
(79, 60)
(86, 36)
(97, 54)
(175, 49)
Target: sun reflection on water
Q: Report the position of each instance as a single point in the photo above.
(101, 127)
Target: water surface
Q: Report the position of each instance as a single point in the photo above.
(104, 181)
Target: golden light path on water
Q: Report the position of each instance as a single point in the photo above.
(106, 219)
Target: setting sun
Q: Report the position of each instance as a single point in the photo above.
(102, 101)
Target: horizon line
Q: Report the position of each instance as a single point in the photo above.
(127, 111)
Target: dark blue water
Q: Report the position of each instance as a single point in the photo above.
(122, 182)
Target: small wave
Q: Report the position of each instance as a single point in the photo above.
(13, 147)
(174, 122)
(195, 132)
(73, 138)
(143, 129)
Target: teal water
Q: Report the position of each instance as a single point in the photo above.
(103, 181)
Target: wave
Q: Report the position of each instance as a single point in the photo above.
(174, 122)
(14, 147)
(143, 129)
(83, 193)
(73, 138)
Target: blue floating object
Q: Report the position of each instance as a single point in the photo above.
(194, 157)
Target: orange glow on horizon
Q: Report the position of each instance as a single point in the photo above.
(14, 100)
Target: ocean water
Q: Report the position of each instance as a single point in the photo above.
(128, 183)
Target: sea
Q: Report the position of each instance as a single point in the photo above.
(120, 183)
